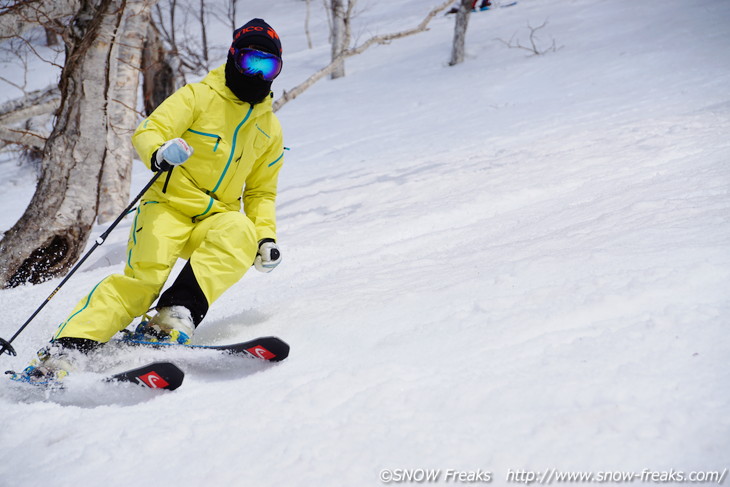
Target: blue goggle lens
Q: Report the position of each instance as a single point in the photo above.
(252, 62)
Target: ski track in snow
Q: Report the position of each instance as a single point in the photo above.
(515, 263)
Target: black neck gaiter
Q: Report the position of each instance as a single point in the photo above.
(250, 89)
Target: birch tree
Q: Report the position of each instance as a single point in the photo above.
(462, 21)
(124, 66)
(340, 34)
(53, 231)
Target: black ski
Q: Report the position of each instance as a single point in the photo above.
(271, 349)
(157, 375)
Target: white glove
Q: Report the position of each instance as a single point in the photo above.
(268, 256)
(172, 153)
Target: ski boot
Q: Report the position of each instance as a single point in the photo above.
(52, 364)
(171, 324)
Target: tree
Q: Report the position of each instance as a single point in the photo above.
(52, 232)
(183, 28)
(340, 33)
(158, 72)
(124, 66)
(306, 24)
(462, 22)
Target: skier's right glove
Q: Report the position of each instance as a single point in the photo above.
(268, 256)
(172, 153)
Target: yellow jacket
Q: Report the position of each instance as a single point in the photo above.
(238, 152)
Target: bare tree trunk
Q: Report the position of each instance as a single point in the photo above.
(53, 231)
(306, 24)
(159, 76)
(339, 36)
(204, 35)
(462, 21)
(232, 13)
(124, 68)
(51, 37)
(166, 28)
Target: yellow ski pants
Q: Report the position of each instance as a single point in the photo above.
(221, 248)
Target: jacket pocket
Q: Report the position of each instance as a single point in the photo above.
(213, 139)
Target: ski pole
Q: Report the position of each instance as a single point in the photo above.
(5, 345)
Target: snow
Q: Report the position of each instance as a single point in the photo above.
(520, 262)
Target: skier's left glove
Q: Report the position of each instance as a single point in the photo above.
(268, 256)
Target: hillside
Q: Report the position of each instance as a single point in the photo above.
(521, 262)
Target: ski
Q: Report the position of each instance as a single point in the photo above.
(270, 349)
(156, 375)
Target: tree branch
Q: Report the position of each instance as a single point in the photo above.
(287, 96)
(39, 102)
(533, 47)
(23, 15)
(23, 138)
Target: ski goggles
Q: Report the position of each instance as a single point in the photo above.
(253, 62)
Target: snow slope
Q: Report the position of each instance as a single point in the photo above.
(521, 262)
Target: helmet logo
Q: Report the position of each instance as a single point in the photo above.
(255, 28)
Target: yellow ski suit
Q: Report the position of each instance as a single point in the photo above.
(238, 152)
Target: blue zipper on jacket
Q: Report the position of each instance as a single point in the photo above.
(233, 150)
(228, 164)
(204, 134)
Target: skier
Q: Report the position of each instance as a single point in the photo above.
(221, 147)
